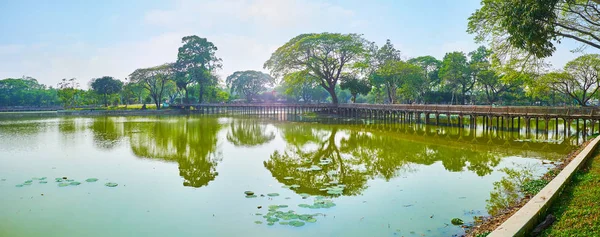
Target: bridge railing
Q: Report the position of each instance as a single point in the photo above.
(464, 109)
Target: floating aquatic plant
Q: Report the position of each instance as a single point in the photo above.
(296, 223)
(258, 222)
(74, 183)
(28, 181)
(457, 221)
(19, 185)
(111, 184)
(251, 196)
(249, 193)
(63, 184)
(43, 182)
(273, 194)
(288, 178)
(91, 180)
(294, 186)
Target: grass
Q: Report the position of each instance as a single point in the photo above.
(123, 107)
(577, 210)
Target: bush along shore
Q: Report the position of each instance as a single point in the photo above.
(516, 189)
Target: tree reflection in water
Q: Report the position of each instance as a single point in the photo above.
(191, 142)
(358, 155)
(248, 133)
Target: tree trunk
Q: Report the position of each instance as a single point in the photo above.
(334, 98)
(464, 97)
(201, 93)
(187, 97)
(157, 103)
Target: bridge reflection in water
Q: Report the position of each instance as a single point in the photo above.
(551, 124)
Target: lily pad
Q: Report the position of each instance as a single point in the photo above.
(43, 178)
(111, 184)
(296, 223)
(251, 196)
(28, 181)
(258, 214)
(311, 220)
(258, 222)
(63, 184)
(304, 195)
(19, 185)
(288, 178)
(69, 180)
(285, 186)
(74, 183)
(283, 223)
(272, 219)
(249, 193)
(273, 194)
(271, 223)
(43, 182)
(91, 180)
(295, 186)
(283, 206)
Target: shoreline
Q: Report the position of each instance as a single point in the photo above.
(491, 223)
(61, 113)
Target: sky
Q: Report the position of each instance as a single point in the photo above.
(51, 40)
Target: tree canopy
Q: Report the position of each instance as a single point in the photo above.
(325, 56)
(580, 79)
(106, 86)
(535, 26)
(196, 62)
(154, 80)
(249, 83)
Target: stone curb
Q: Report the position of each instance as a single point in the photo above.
(526, 218)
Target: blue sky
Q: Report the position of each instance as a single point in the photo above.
(51, 40)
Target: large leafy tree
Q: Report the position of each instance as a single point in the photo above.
(534, 26)
(355, 85)
(325, 56)
(154, 80)
(503, 81)
(67, 91)
(430, 67)
(249, 83)
(196, 61)
(380, 61)
(402, 78)
(455, 73)
(106, 86)
(580, 79)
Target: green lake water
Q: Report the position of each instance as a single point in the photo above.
(186, 176)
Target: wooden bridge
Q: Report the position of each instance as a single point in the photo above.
(490, 117)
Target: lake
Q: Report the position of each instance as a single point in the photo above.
(187, 176)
